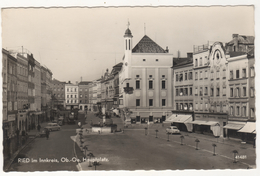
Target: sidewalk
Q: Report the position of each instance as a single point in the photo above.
(31, 136)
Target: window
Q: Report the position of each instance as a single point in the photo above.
(218, 91)
(181, 77)
(206, 106)
(237, 92)
(244, 73)
(190, 90)
(68, 96)
(71, 96)
(231, 75)
(196, 62)
(231, 110)
(150, 84)
(177, 92)
(201, 91)
(144, 60)
(252, 93)
(75, 96)
(150, 76)
(252, 72)
(181, 91)
(206, 74)
(177, 106)
(156, 60)
(186, 91)
(150, 102)
(190, 75)
(224, 108)
(201, 61)
(224, 74)
(71, 101)
(137, 76)
(201, 77)
(163, 102)
(212, 92)
(163, 84)
(244, 111)
(231, 92)
(181, 106)
(237, 73)
(252, 112)
(163, 76)
(212, 75)
(186, 76)
(224, 91)
(196, 91)
(121, 101)
(196, 75)
(80, 101)
(137, 84)
(177, 77)
(191, 106)
(68, 101)
(206, 91)
(201, 108)
(218, 108)
(80, 90)
(244, 91)
(237, 110)
(196, 106)
(137, 102)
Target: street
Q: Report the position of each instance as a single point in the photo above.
(59, 146)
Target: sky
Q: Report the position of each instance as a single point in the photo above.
(84, 42)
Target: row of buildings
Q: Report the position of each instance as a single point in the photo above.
(26, 96)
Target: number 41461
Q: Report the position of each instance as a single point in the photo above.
(241, 157)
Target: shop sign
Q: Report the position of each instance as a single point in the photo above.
(11, 117)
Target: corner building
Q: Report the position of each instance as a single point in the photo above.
(147, 69)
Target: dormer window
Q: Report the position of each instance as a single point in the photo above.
(137, 76)
(144, 60)
(163, 76)
(156, 60)
(150, 76)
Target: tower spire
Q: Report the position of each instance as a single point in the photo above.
(128, 24)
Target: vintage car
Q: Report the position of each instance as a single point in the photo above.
(52, 126)
(172, 130)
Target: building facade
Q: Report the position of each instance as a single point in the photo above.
(84, 95)
(71, 94)
(58, 92)
(145, 81)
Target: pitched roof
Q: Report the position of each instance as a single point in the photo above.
(182, 61)
(147, 45)
(236, 53)
(84, 82)
(242, 39)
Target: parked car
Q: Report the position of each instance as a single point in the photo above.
(172, 130)
(43, 133)
(52, 126)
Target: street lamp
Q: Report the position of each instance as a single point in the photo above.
(214, 146)
(235, 154)
(90, 155)
(182, 137)
(145, 130)
(156, 133)
(197, 142)
(96, 163)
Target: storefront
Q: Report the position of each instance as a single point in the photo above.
(206, 127)
(232, 128)
(248, 132)
(181, 121)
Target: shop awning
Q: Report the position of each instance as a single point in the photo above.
(235, 125)
(179, 118)
(201, 122)
(248, 128)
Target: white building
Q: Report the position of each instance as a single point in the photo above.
(71, 96)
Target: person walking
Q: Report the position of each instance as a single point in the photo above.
(39, 127)
(47, 134)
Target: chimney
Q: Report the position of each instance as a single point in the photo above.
(189, 55)
(69, 82)
(178, 53)
(167, 50)
(235, 35)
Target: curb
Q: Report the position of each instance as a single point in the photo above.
(17, 152)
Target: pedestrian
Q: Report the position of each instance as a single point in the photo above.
(79, 124)
(47, 134)
(99, 122)
(39, 127)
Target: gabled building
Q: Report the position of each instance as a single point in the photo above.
(84, 95)
(145, 81)
(58, 94)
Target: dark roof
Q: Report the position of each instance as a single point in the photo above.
(182, 61)
(128, 33)
(242, 39)
(84, 82)
(236, 53)
(147, 45)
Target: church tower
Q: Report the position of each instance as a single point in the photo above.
(128, 52)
